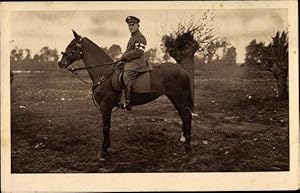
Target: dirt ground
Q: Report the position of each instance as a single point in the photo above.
(242, 126)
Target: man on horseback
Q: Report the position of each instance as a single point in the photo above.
(133, 59)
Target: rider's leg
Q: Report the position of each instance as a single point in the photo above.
(129, 77)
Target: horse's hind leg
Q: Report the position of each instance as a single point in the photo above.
(185, 114)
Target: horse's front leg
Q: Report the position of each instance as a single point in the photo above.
(106, 110)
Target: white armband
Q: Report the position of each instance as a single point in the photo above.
(140, 46)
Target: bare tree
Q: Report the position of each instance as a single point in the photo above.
(195, 35)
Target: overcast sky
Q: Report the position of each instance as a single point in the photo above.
(36, 29)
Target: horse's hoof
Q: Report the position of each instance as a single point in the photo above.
(182, 139)
(195, 115)
(101, 156)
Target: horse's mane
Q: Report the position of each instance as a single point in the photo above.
(99, 49)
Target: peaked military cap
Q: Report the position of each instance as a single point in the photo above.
(132, 19)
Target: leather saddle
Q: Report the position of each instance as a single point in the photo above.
(141, 83)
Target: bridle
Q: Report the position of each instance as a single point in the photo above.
(74, 70)
(69, 55)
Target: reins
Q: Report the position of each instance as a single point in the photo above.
(109, 71)
(75, 73)
(74, 70)
(102, 79)
(85, 68)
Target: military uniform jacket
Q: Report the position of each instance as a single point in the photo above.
(134, 54)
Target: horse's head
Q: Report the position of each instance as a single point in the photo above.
(72, 53)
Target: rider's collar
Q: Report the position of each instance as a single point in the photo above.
(136, 32)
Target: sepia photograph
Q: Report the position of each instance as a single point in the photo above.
(149, 96)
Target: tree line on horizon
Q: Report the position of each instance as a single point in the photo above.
(47, 57)
(191, 45)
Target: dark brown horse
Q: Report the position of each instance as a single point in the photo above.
(166, 79)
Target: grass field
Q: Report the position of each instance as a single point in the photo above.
(242, 126)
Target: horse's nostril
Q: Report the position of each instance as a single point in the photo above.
(60, 64)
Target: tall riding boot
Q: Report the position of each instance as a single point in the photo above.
(122, 102)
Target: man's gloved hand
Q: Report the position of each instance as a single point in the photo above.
(121, 62)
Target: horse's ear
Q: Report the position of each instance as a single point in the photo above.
(77, 37)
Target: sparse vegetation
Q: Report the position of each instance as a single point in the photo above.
(242, 126)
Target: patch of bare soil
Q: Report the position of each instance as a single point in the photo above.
(56, 128)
